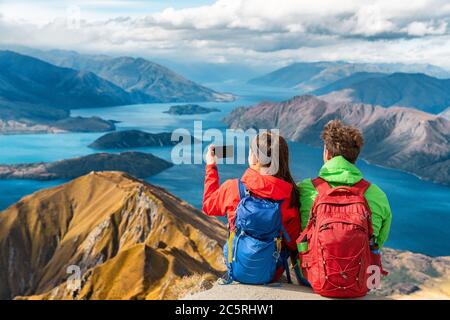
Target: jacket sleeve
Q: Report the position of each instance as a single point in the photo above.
(216, 198)
(307, 196)
(381, 213)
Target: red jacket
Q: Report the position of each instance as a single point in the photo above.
(221, 200)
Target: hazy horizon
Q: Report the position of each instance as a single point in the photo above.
(260, 36)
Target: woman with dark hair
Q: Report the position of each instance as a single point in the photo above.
(268, 177)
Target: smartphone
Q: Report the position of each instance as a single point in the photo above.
(224, 151)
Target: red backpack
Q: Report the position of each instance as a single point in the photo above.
(335, 247)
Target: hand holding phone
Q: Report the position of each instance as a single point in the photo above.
(210, 157)
(223, 151)
(216, 152)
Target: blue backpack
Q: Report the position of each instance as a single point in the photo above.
(254, 247)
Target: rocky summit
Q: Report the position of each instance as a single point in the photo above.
(127, 239)
(107, 235)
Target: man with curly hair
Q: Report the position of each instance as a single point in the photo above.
(342, 145)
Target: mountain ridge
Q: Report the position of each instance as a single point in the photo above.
(445, 113)
(415, 90)
(400, 138)
(107, 224)
(36, 97)
(345, 82)
(31, 80)
(310, 76)
(146, 80)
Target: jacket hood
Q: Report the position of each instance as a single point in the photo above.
(341, 171)
(266, 186)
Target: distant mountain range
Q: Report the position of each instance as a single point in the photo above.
(346, 82)
(27, 80)
(148, 81)
(398, 89)
(312, 76)
(402, 138)
(36, 96)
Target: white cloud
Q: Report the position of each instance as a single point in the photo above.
(247, 31)
(420, 29)
(371, 21)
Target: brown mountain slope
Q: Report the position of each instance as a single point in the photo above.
(131, 240)
(401, 138)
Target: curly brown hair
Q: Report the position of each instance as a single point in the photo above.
(264, 143)
(342, 140)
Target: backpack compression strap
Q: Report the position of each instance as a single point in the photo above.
(243, 192)
(360, 188)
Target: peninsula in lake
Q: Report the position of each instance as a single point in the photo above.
(138, 164)
(188, 109)
(136, 139)
(36, 97)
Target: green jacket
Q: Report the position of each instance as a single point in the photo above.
(338, 171)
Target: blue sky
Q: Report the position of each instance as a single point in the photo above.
(250, 32)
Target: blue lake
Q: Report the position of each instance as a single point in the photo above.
(421, 210)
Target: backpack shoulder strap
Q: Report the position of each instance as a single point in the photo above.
(321, 185)
(361, 187)
(243, 192)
